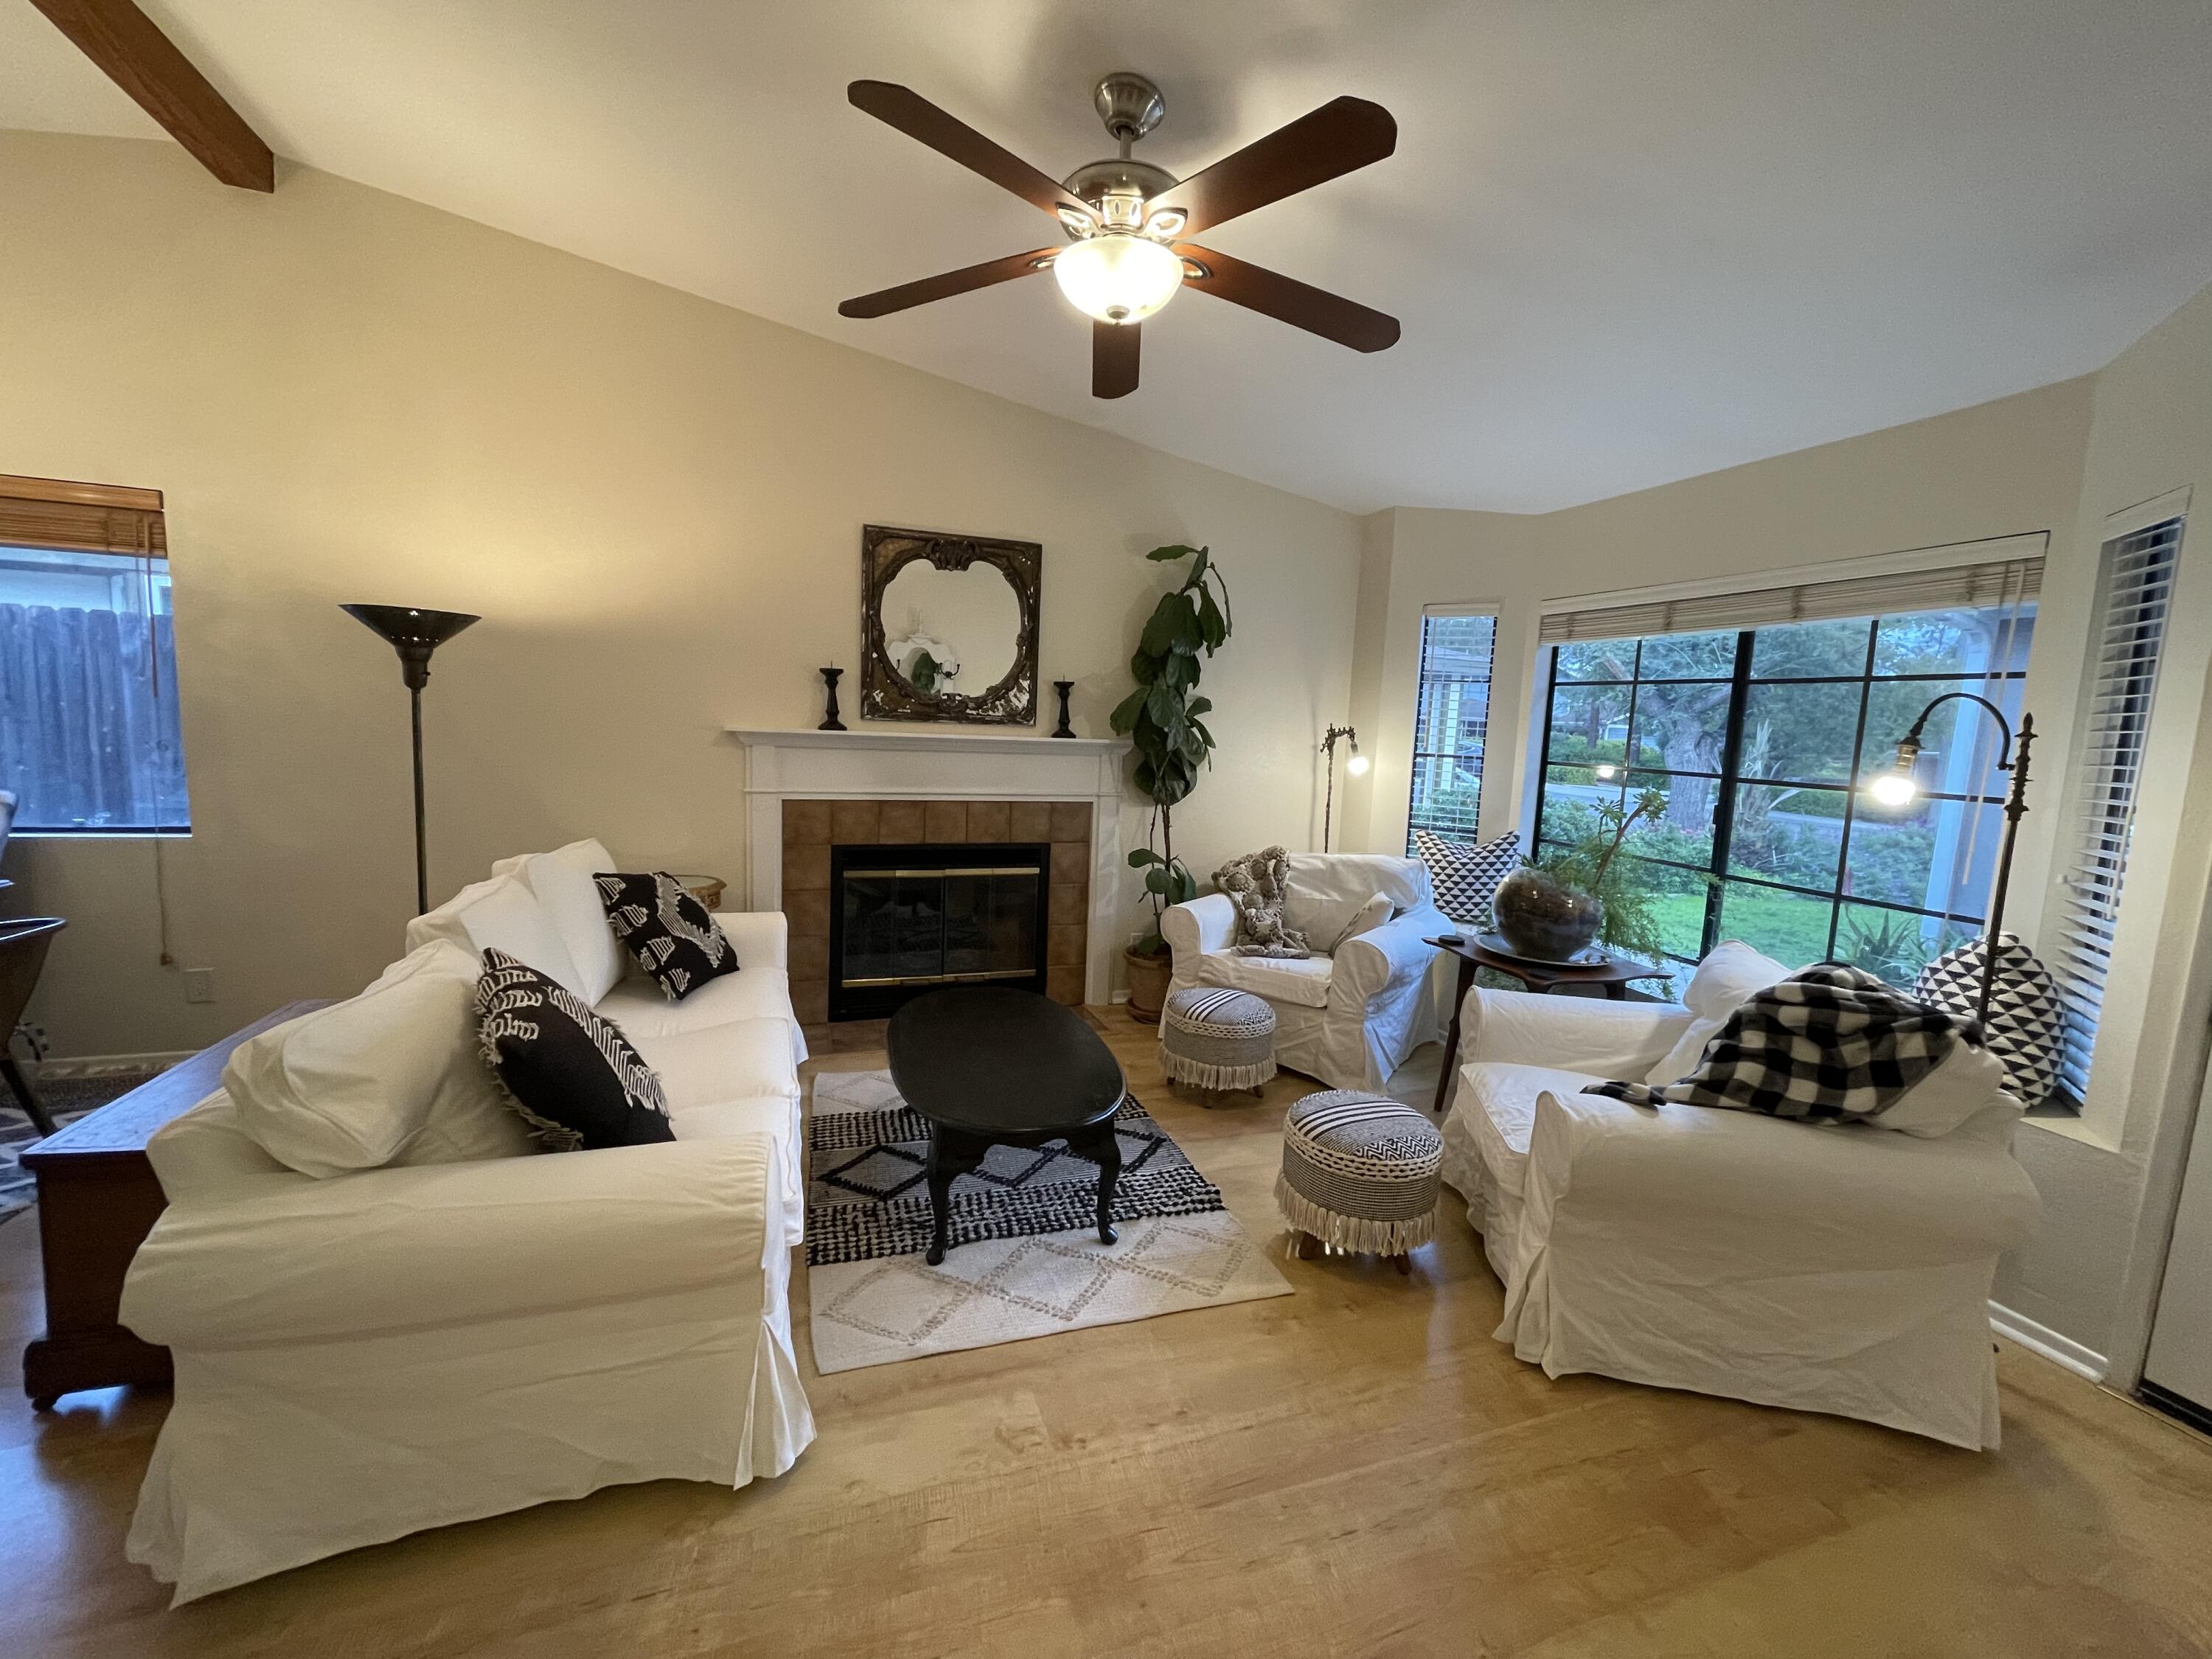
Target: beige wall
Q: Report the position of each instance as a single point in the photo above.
(655, 503)
(1993, 470)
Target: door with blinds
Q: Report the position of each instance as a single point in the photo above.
(2178, 1371)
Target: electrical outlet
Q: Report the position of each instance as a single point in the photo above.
(199, 985)
(1137, 938)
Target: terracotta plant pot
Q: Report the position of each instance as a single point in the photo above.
(1544, 919)
(1148, 984)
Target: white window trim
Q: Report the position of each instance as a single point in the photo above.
(2174, 504)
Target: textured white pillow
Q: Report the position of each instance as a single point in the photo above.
(1967, 1083)
(389, 1077)
(500, 914)
(1366, 919)
(562, 882)
(1323, 891)
(1730, 976)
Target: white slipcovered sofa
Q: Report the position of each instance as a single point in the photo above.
(1830, 1268)
(1350, 1015)
(442, 1323)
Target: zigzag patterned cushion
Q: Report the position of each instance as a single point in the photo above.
(1466, 874)
(2025, 1017)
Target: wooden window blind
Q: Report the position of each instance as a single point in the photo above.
(1960, 586)
(2135, 595)
(80, 518)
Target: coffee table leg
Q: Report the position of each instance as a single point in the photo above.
(950, 1156)
(1104, 1148)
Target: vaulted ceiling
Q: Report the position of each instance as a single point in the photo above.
(1630, 241)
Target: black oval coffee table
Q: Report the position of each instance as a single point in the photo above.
(989, 1066)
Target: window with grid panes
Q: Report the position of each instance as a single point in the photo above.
(1759, 739)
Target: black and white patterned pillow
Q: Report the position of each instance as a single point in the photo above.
(1467, 875)
(571, 1075)
(2026, 1020)
(668, 931)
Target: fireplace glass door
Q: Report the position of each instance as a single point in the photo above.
(906, 919)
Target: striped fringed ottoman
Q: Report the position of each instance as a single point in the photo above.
(1215, 1038)
(1359, 1173)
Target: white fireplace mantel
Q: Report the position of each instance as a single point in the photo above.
(939, 765)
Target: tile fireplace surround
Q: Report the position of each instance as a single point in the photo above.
(806, 792)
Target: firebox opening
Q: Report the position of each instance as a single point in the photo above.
(905, 920)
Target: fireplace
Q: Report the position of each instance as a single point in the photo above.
(905, 919)
(794, 831)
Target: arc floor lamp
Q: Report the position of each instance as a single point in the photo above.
(1900, 786)
(414, 634)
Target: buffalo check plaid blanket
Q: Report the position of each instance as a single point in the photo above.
(1830, 1043)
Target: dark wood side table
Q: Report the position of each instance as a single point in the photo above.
(98, 1199)
(1612, 976)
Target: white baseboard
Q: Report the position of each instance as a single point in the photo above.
(2041, 1339)
(108, 1064)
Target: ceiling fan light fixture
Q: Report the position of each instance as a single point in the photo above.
(1116, 278)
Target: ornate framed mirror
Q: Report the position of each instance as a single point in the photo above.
(948, 627)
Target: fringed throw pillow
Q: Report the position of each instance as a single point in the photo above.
(1255, 885)
(571, 1075)
(667, 931)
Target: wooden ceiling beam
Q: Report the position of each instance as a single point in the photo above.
(131, 49)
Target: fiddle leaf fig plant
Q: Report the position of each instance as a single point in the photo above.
(1164, 716)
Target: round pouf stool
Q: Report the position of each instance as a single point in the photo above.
(1360, 1173)
(1214, 1038)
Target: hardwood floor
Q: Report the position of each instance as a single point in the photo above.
(1355, 1469)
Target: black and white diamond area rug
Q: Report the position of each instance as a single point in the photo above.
(1026, 1260)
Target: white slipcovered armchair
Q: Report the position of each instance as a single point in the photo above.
(1353, 1011)
(1840, 1268)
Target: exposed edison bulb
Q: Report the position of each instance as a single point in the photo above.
(1357, 766)
(1117, 279)
(1894, 788)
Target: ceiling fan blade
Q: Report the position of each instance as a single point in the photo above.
(1114, 348)
(916, 117)
(945, 284)
(1287, 300)
(1339, 137)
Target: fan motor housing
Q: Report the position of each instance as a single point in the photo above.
(1118, 188)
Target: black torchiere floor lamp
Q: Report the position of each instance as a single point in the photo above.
(1898, 787)
(414, 634)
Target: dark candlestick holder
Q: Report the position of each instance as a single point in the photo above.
(1064, 730)
(830, 720)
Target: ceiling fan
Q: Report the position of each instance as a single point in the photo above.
(1126, 220)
